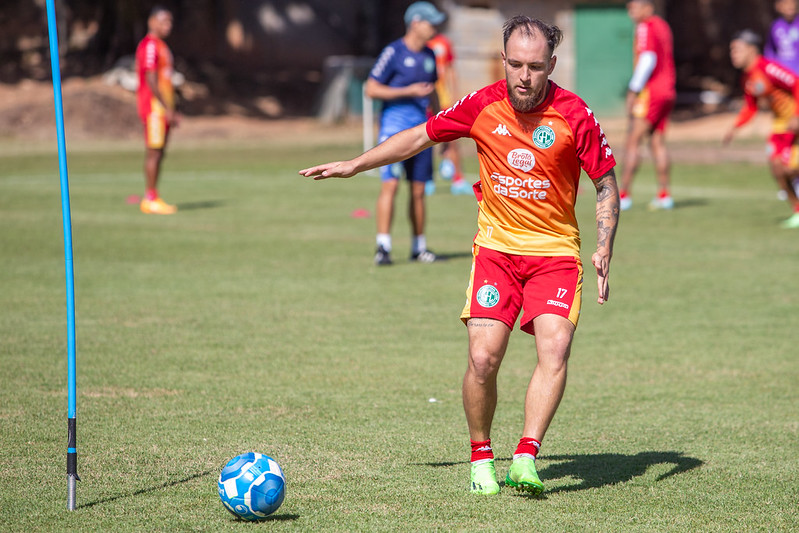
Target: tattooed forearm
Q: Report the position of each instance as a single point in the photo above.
(607, 210)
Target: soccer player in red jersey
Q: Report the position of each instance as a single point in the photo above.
(533, 140)
(650, 99)
(156, 99)
(446, 87)
(778, 88)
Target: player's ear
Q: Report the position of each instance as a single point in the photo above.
(502, 54)
(552, 61)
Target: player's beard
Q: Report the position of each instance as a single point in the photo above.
(526, 103)
(522, 104)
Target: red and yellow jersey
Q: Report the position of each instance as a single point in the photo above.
(530, 166)
(776, 86)
(654, 35)
(153, 54)
(442, 48)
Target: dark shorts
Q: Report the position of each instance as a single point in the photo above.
(416, 168)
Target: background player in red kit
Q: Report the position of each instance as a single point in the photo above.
(778, 88)
(450, 167)
(650, 99)
(156, 99)
(533, 140)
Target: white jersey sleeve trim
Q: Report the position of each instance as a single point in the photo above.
(643, 70)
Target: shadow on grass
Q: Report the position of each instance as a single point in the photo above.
(440, 258)
(208, 204)
(454, 255)
(598, 470)
(602, 469)
(144, 491)
(691, 202)
(270, 518)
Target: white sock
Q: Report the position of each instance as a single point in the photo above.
(384, 240)
(419, 244)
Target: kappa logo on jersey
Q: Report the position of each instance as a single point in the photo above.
(409, 62)
(488, 296)
(544, 137)
(522, 159)
(502, 129)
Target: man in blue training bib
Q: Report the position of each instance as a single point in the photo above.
(404, 79)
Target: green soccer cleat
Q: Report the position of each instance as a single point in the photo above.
(523, 477)
(484, 478)
(791, 223)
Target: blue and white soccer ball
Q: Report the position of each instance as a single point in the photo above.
(252, 486)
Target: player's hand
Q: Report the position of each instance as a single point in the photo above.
(420, 89)
(793, 124)
(727, 139)
(602, 264)
(336, 169)
(629, 102)
(172, 117)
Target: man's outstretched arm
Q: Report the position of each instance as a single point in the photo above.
(399, 147)
(607, 219)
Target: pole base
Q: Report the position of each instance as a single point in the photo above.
(71, 485)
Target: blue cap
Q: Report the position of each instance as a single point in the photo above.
(749, 37)
(424, 11)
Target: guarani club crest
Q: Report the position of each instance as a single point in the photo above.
(488, 296)
(544, 137)
(429, 65)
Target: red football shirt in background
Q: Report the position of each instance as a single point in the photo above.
(442, 48)
(153, 54)
(654, 35)
(776, 86)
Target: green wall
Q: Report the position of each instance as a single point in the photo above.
(604, 39)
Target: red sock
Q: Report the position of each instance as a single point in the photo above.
(527, 446)
(481, 450)
(623, 194)
(151, 194)
(664, 193)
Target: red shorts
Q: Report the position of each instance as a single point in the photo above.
(782, 147)
(156, 129)
(501, 285)
(656, 111)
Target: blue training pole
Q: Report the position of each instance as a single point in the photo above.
(72, 452)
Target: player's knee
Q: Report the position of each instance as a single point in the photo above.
(483, 365)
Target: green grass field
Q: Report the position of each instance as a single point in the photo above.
(254, 320)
